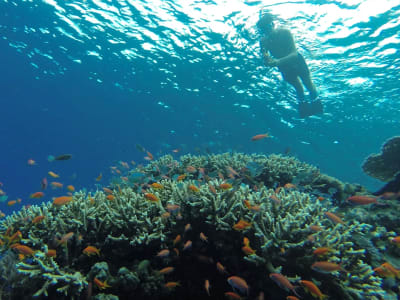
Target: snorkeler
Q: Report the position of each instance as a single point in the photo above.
(280, 44)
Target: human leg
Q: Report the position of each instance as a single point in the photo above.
(295, 82)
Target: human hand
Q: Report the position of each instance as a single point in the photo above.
(269, 61)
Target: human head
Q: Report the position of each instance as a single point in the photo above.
(266, 23)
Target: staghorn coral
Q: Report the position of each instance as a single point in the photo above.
(129, 230)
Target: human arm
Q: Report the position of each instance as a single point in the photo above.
(283, 48)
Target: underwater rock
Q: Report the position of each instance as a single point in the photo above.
(386, 164)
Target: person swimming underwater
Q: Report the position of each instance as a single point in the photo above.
(279, 50)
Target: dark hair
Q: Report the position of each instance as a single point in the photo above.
(266, 22)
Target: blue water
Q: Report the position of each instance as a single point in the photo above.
(95, 78)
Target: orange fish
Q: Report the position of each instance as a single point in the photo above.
(172, 207)
(391, 269)
(313, 289)
(247, 203)
(221, 268)
(171, 284)
(232, 296)
(31, 162)
(241, 225)
(238, 283)
(207, 286)
(110, 197)
(212, 189)
(163, 253)
(248, 250)
(52, 174)
(157, 185)
(90, 250)
(225, 186)
(59, 201)
(326, 267)
(37, 195)
(56, 185)
(193, 188)
(98, 178)
(362, 200)
(275, 199)
(259, 137)
(175, 150)
(25, 250)
(283, 282)
(315, 228)
(65, 238)
(289, 186)
(181, 177)
(37, 219)
(334, 218)
(322, 251)
(246, 241)
(101, 284)
(203, 237)
(11, 202)
(187, 245)
(51, 253)
(151, 197)
(71, 188)
(188, 227)
(292, 298)
(149, 155)
(166, 270)
(107, 190)
(177, 239)
(191, 169)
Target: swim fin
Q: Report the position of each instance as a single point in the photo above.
(307, 109)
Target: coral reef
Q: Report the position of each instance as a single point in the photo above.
(254, 214)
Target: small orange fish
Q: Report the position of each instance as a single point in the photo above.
(151, 197)
(362, 200)
(56, 185)
(207, 286)
(98, 178)
(177, 239)
(59, 201)
(203, 237)
(188, 227)
(241, 225)
(396, 241)
(91, 250)
(107, 190)
(283, 282)
(391, 269)
(382, 272)
(334, 218)
(232, 296)
(110, 197)
(315, 228)
(11, 202)
(52, 174)
(248, 250)
(322, 251)
(275, 199)
(51, 253)
(193, 188)
(65, 238)
(171, 284)
(212, 189)
(247, 203)
(163, 253)
(71, 188)
(289, 186)
(25, 250)
(260, 137)
(157, 185)
(225, 186)
(326, 267)
(149, 155)
(31, 162)
(313, 289)
(166, 270)
(238, 283)
(172, 207)
(221, 268)
(37, 219)
(175, 150)
(292, 298)
(187, 245)
(101, 284)
(37, 195)
(246, 241)
(181, 177)
(191, 169)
